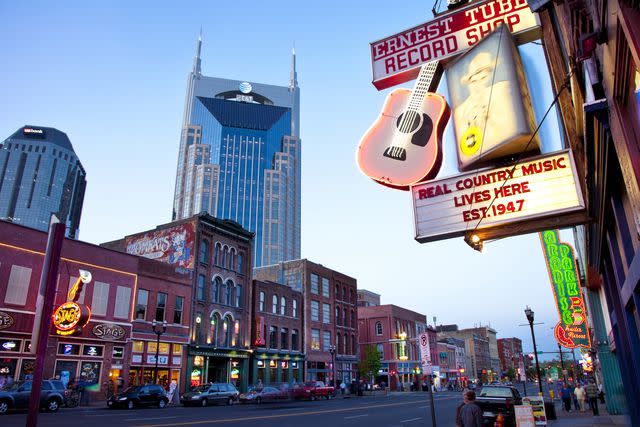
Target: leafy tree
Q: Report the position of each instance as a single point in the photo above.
(511, 373)
(370, 363)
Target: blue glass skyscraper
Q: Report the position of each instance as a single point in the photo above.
(41, 175)
(239, 159)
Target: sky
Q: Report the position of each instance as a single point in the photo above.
(112, 75)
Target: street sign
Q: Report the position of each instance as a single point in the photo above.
(524, 416)
(425, 353)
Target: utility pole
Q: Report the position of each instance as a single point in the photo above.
(564, 377)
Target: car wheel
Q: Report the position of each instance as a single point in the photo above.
(313, 397)
(204, 402)
(230, 401)
(130, 404)
(4, 407)
(53, 405)
(162, 403)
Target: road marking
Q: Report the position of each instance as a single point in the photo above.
(356, 416)
(107, 415)
(412, 419)
(150, 418)
(266, 417)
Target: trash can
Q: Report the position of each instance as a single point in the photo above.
(550, 409)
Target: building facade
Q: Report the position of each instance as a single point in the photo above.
(278, 355)
(367, 298)
(41, 175)
(239, 159)
(108, 351)
(330, 338)
(477, 348)
(510, 353)
(216, 256)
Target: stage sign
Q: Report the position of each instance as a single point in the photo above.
(572, 331)
(542, 186)
(397, 59)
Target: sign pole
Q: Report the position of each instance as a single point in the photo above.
(46, 297)
(433, 406)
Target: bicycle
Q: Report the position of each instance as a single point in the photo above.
(71, 398)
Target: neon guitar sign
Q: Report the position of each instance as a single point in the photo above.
(404, 145)
(70, 317)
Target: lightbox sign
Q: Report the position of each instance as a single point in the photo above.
(538, 187)
(572, 330)
(396, 59)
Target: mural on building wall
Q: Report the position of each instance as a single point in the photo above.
(172, 245)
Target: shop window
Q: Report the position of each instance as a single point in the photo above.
(315, 308)
(18, 285)
(66, 370)
(177, 311)
(164, 348)
(27, 346)
(161, 305)
(151, 347)
(27, 369)
(100, 299)
(138, 346)
(177, 349)
(67, 349)
(294, 340)
(90, 372)
(117, 352)
(314, 284)
(261, 306)
(141, 305)
(284, 339)
(123, 299)
(92, 350)
(315, 339)
(9, 345)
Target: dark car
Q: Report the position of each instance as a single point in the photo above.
(138, 396)
(494, 400)
(205, 394)
(16, 396)
(267, 394)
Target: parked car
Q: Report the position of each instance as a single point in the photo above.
(312, 390)
(17, 395)
(205, 394)
(494, 400)
(267, 394)
(138, 396)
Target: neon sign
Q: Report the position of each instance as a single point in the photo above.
(70, 317)
(572, 330)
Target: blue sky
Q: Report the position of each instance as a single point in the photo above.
(112, 75)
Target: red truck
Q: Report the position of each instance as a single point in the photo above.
(312, 390)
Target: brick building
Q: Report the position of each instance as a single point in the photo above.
(510, 352)
(477, 349)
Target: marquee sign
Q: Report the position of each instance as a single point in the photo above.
(397, 59)
(108, 331)
(70, 317)
(541, 186)
(572, 331)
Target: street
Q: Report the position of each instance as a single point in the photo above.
(397, 409)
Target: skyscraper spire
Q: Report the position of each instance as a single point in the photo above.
(196, 60)
(293, 77)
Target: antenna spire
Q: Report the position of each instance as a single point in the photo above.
(196, 60)
(293, 76)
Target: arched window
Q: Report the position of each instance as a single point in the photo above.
(236, 335)
(354, 319)
(346, 344)
(214, 323)
(217, 288)
(227, 326)
(261, 301)
(204, 251)
(274, 305)
(378, 328)
(232, 259)
(223, 261)
(338, 315)
(344, 294)
(352, 300)
(345, 319)
(227, 292)
(337, 292)
(339, 342)
(240, 262)
(283, 306)
(238, 295)
(216, 254)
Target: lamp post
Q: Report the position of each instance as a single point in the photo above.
(529, 313)
(158, 329)
(332, 352)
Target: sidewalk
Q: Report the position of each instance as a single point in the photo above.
(587, 419)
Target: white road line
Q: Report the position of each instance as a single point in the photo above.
(150, 418)
(412, 419)
(356, 416)
(107, 415)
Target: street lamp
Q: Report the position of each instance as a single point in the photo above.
(332, 352)
(529, 313)
(158, 329)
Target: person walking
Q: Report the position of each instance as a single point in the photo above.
(592, 395)
(581, 396)
(565, 395)
(343, 387)
(469, 414)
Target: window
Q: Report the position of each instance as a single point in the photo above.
(177, 311)
(354, 319)
(18, 285)
(294, 308)
(227, 292)
(378, 328)
(92, 350)
(123, 302)
(353, 344)
(314, 284)
(339, 349)
(177, 349)
(236, 339)
(204, 251)
(380, 349)
(227, 331)
(337, 294)
(261, 301)
(138, 346)
(344, 294)
(326, 313)
(161, 305)
(217, 287)
(337, 315)
(326, 340)
(240, 262)
(238, 295)
(284, 339)
(273, 337)
(100, 299)
(68, 349)
(315, 339)
(200, 290)
(294, 339)
(352, 299)
(325, 287)
(216, 254)
(274, 304)
(345, 319)
(315, 308)
(283, 306)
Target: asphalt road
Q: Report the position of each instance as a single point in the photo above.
(393, 410)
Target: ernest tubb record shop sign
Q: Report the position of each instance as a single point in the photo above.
(397, 59)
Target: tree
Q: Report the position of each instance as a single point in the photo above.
(370, 363)
(511, 373)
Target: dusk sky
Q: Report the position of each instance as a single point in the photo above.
(112, 75)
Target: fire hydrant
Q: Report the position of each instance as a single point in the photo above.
(499, 421)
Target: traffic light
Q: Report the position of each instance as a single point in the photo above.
(461, 370)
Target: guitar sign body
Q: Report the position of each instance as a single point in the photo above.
(404, 145)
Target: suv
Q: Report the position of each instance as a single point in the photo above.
(139, 395)
(17, 395)
(204, 394)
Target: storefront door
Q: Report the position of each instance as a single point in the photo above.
(217, 372)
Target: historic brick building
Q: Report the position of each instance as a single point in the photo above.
(510, 353)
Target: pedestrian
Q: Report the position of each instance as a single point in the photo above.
(572, 388)
(581, 395)
(565, 395)
(343, 387)
(601, 393)
(592, 396)
(469, 414)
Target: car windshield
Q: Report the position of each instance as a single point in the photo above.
(496, 392)
(12, 386)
